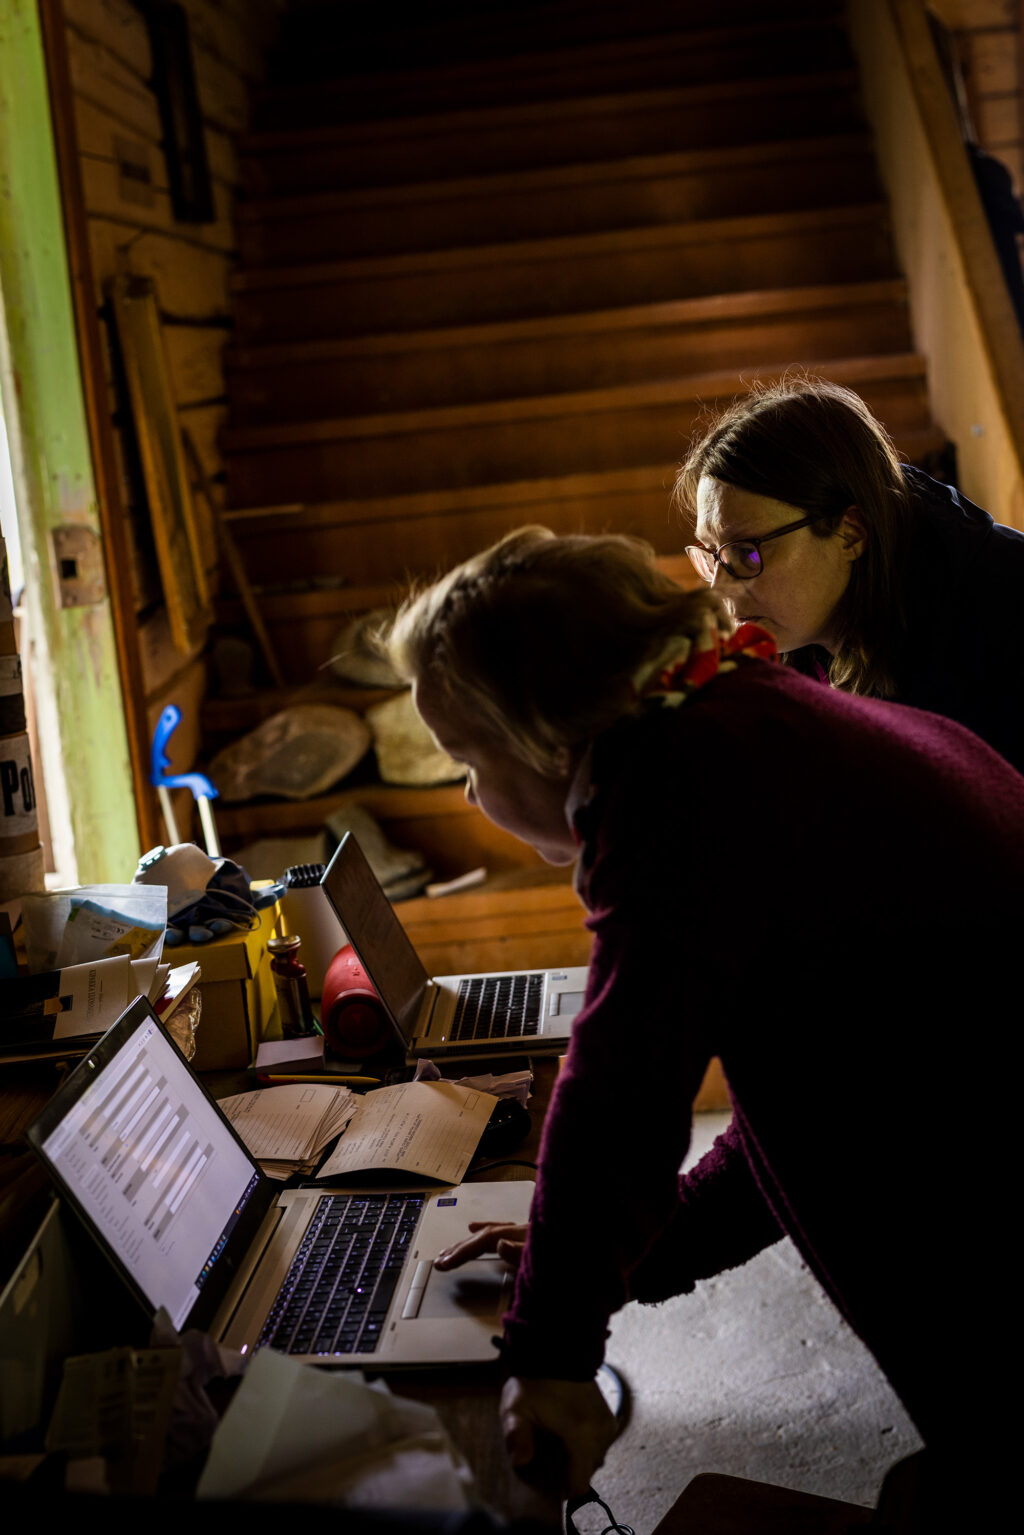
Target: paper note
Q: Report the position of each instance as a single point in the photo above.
(293, 1122)
(294, 1434)
(38, 1011)
(426, 1129)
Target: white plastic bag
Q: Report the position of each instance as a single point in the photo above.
(80, 926)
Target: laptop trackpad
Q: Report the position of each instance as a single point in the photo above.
(476, 1289)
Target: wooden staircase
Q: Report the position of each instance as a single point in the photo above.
(496, 264)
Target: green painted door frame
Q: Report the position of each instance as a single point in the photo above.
(81, 710)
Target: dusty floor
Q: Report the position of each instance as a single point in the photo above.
(753, 1375)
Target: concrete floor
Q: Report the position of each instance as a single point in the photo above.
(753, 1375)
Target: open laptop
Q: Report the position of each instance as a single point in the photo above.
(503, 1012)
(169, 1190)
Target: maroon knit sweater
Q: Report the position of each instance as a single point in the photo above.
(827, 893)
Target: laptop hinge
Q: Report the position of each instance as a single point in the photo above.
(428, 1001)
(239, 1288)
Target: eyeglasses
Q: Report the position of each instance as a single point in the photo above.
(741, 557)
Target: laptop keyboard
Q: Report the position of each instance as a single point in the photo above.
(498, 1007)
(336, 1294)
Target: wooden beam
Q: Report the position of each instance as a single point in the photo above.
(108, 482)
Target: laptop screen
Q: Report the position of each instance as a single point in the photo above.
(149, 1160)
(376, 934)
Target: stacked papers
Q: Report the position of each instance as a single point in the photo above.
(421, 1129)
(61, 1012)
(287, 1128)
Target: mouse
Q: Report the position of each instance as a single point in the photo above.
(509, 1125)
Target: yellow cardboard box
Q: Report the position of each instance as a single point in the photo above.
(239, 1004)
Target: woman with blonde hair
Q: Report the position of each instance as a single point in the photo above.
(797, 880)
(870, 574)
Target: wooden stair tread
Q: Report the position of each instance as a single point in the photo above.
(556, 24)
(535, 178)
(506, 116)
(523, 497)
(615, 49)
(343, 600)
(235, 714)
(542, 889)
(381, 800)
(553, 21)
(502, 915)
(453, 835)
(462, 498)
(590, 402)
(543, 355)
(385, 542)
(556, 199)
(508, 502)
(634, 431)
(677, 61)
(228, 717)
(655, 236)
(714, 307)
(338, 603)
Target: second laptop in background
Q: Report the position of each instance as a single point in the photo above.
(446, 1016)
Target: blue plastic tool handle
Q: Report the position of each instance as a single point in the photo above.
(166, 725)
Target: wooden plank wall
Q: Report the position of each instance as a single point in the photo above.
(132, 231)
(990, 44)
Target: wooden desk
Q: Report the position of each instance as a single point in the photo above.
(466, 1400)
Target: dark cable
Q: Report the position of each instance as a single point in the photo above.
(486, 1167)
(590, 1496)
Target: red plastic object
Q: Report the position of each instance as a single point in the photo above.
(354, 1022)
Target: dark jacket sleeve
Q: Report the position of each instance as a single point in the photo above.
(721, 1221)
(618, 1128)
(614, 1137)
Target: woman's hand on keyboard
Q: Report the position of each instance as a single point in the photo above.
(488, 1237)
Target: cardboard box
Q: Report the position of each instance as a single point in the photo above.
(239, 1004)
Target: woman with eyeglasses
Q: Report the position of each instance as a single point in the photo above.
(870, 574)
(824, 891)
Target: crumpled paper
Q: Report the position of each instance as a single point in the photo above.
(193, 1416)
(294, 1433)
(510, 1084)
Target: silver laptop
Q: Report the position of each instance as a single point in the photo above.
(503, 1012)
(333, 1277)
